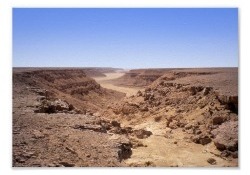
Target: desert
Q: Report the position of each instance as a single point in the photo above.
(111, 117)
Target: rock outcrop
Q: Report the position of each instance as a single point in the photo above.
(226, 136)
(56, 106)
(72, 85)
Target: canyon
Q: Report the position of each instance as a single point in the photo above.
(108, 117)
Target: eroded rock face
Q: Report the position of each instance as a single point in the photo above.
(187, 107)
(231, 102)
(226, 136)
(72, 85)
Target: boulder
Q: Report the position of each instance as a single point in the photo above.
(46, 107)
(115, 123)
(212, 161)
(201, 139)
(60, 105)
(139, 93)
(142, 134)
(206, 90)
(49, 106)
(124, 151)
(217, 120)
(226, 136)
(157, 118)
(231, 102)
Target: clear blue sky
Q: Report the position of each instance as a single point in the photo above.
(125, 38)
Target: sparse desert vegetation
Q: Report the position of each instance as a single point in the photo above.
(110, 117)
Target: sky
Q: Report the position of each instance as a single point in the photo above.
(125, 38)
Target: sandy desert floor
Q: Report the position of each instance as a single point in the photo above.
(104, 82)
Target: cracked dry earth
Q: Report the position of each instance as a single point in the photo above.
(169, 123)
